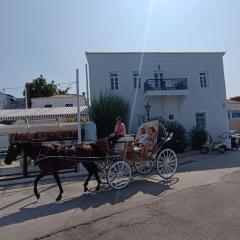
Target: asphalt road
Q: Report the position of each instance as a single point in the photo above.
(202, 201)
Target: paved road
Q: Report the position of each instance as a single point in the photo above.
(202, 201)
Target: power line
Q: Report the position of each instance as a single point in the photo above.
(58, 84)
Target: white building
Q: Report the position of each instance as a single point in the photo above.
(8, 101)
(64, 100)
(188, 87)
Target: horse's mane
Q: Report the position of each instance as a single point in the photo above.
(57, 149)
(97, 149)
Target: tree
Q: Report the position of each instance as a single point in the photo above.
(40, 88)
(105, 109)
(198, 137)
(237, 98)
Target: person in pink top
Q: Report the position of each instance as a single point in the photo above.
(119, 131)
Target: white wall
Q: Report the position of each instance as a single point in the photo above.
(186, 65)
(57, 101)
(4, 141)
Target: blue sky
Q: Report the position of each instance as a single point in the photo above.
(50, 37)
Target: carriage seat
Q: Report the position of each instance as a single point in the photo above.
(119, 146)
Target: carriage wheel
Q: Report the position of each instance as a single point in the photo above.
(103, 169)
(144, 166)
(166, 163)
(119, 175)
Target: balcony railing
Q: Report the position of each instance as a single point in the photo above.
(165, 84)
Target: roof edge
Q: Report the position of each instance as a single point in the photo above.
(173, 53)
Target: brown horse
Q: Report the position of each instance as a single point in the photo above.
(52, 158)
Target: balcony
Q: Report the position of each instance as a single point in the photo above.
(166, 87)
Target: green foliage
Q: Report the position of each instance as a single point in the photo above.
(105, 109)
(180, 139)
(198, 137)
(40, 88)
(237, 98)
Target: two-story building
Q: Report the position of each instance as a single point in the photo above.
(188, 87)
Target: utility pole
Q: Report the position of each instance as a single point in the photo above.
(78, 107)
(26, 96)
(86, 69)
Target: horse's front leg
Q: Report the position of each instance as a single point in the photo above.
(58, 181)
(87, 181)
(35, 184)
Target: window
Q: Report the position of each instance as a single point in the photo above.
(203, 77)
(48, 106)
(136, 80)
(171, 117)
(159, 82)
(236, 114)
(114, 81)
(158, 75)
(69, 105)
(201, 122)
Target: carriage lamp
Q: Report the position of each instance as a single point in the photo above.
(147, 107)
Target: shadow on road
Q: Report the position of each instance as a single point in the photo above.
(89, 200)
(212, 161)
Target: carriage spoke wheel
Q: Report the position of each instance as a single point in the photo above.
(103, 169)
(119, 175)
(144, 166)
(166, 163)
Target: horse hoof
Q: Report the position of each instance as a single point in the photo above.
(59, 198)
(85, 189)
(37, 195)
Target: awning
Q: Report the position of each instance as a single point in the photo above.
(41, 113)
(34, 128)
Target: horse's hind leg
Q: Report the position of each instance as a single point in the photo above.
(35, 184)
(58, 181)
(95, 172)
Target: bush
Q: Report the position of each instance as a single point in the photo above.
(198, 138)
(105, 109)
(180, 139)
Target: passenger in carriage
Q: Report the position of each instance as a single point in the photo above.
(149, 142)
(119, 131)
(141, 137)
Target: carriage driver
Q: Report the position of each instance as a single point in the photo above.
(119, 131)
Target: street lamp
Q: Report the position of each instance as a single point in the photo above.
(147, 107)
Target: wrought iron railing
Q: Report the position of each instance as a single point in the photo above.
(166, 84)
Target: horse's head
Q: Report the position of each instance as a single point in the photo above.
(13, 151)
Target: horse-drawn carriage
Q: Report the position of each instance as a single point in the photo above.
(114, 167)
(117, 172)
